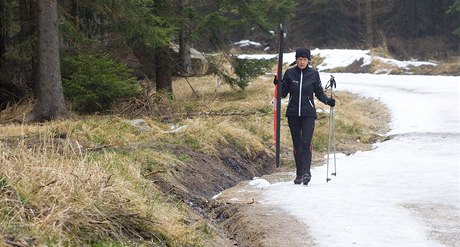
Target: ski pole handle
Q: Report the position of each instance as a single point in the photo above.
(331, 83)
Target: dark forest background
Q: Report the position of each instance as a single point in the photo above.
(408, 28)
(152, 40)
(423, 29)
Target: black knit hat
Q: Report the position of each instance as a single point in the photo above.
(303, 52)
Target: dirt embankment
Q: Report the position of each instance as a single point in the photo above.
(255, 224)
(206, 176)
(244, 222)
(237, 214)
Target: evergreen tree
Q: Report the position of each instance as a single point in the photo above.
(50, 103)
(453, 10)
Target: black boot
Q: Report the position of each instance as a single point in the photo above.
(306, 179)
(298, 179)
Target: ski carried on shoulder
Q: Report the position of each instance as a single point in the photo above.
(277, 94)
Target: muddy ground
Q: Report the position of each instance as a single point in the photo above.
(254, 224)
(237, 215)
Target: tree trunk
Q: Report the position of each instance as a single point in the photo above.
(147, 60)
(3, 33)
(184, 52)
(50, 99)
(75, 11)
(27, 18)
(163, 71)
(369, 24)
(28, 28)
(411, 16)
(184, 42)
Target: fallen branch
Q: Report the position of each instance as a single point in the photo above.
(213, 113)
(153, 173)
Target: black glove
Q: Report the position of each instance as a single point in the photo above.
(275, 80)
(330, 102)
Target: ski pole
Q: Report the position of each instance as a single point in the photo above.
(331, 134)
(277, 96)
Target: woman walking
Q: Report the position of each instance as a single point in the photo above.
(300, 82)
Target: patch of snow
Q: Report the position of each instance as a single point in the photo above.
(404, 64)
(217, 196)
(337, 156)
(139, 123)
(335, 58)
(259, 183)
(245, 43)
(178, 129)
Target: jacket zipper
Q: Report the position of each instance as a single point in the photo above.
(310, 102)
(300, 92)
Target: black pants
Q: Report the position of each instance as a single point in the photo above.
(302, 132)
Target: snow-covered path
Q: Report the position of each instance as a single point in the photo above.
(405, 192)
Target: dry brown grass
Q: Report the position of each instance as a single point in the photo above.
(358, 119)
(84, 180)
(359, 122)
(450, 67)
(71, 182)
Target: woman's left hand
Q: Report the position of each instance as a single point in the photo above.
(330, 102)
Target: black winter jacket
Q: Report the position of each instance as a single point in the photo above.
(307, 81)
